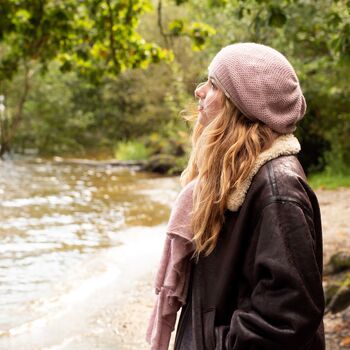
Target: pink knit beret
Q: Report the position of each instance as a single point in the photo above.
(261, 83)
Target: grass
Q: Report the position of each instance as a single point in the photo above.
(329, 180)
(131, 150)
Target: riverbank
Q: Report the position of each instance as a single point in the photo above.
(130, 321)
(104, 305)
(75, 240)
(163, 164)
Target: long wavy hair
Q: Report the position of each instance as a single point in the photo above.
(222, 156)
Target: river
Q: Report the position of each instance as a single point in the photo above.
(73, 240)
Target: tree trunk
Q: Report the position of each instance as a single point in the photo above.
(4, 148)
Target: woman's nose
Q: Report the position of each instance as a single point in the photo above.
(199, 92)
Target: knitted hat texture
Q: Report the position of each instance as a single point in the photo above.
(261, 83)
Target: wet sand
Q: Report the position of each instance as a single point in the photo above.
(106, 310)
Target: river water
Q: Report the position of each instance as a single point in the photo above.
(73, 240)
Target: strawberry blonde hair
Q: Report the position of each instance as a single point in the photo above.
(222, 156)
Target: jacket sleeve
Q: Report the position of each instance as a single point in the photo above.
(287, 302)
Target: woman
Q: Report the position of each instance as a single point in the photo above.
(243, 251)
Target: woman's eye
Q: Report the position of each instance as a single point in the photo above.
(212, 85)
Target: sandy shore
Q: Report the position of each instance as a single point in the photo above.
(130, 321)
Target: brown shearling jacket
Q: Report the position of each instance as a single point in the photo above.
(261, 287)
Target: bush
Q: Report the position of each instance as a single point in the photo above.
(131, 150)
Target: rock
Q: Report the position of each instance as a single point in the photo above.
(337, 294)
(341, 300)
(91, 162)
(338, 262)
(161, 163)
(330, 291)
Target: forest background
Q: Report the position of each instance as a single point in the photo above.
(110, 79)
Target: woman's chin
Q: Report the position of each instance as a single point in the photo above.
(202, 119)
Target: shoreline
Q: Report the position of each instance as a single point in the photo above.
(105, 311)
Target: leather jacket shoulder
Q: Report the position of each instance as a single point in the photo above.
(282, 179)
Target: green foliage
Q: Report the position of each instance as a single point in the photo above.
(131, 150)
(66, 114)
(180, 2)
(176, 27)
(98, 40)
(172, 144)
(93, 37)
(54, 122)
(217, 3)
(168, 141)
(329, 180)
(200, 32)
(276, 17)
(111, 90)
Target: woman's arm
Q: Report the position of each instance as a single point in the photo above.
(287, 301)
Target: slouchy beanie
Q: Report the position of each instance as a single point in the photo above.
(261, 83)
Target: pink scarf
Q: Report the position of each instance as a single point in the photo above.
(172, 279)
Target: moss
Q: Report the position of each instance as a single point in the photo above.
(337, 293)
(338, 262)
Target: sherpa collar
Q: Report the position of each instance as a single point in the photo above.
(282, 146)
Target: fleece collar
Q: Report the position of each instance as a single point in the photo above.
(282, 146)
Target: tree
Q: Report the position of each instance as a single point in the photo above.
(92, 37)
(95, 38)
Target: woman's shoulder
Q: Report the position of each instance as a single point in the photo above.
(186, 191)
(184, 199)
(283, 179)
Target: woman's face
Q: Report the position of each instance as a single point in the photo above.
(210, 103)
